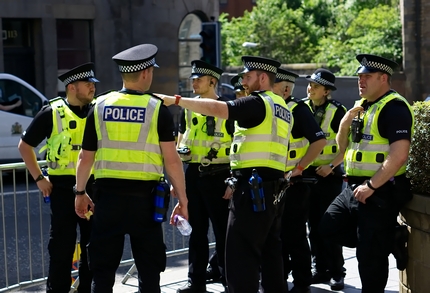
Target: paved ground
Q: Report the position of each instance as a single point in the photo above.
(175, 277)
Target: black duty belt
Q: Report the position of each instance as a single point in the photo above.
(213, 169)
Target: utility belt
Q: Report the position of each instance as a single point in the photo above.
(256, 186)
(382, 193)
(213, 169)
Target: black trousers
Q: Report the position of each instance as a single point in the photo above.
(295, 247)
(119, 212)
(253, 242)
(368, 227)
(327, 256)
(62, 239)
(205, 203)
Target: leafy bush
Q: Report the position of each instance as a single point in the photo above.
(418, 168)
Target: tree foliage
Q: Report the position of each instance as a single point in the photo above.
(328, 31)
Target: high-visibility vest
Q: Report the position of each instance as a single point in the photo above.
(200, 143)
(331, 149)
(366, 157)
(127, 137)
(297, 146)
(265, 145)
(65, 142)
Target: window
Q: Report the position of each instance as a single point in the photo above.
(74, 45)
(11, 92)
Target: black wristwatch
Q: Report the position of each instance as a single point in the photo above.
(77, 192)
(40, 177)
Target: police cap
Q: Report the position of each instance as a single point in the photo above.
(371, 63)
(136, 58)
(284, 75)
(323, 77)
(201, 68)
(251, 63)
(236, 82)
(84, 72)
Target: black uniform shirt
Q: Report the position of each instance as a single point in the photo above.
(304, 123)
(395, 119)
(165, 129)
(250, 112)
(41, 128)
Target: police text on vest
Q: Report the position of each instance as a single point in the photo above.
(282, 113)
(124, 114)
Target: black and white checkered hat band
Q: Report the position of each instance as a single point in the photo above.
(239, 83)
(251, 65)
(78, 76)
(136, 67)
(286, 77)
(377, 65)
(205, 71)
(321, 80)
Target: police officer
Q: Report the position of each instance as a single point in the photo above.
(306, 142)
(328, 259)
(128, 137)
(208, 140)
(239, 90)
(63, 122)
(375, 136)
(260, 143)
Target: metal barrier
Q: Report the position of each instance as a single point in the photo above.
(24, 233)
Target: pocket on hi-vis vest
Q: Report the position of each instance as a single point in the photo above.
(124, 114)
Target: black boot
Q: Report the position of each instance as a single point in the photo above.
(400, 247)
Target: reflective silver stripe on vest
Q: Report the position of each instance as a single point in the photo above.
(258, 156)
(143, 135)
(273, 137)
(369, 147)
(54, 165)
(298, 144)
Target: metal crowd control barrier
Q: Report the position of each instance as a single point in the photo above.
(24, 233)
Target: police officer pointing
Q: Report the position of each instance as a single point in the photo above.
(375, 136)
(208, 140)
(258, 161)
(128, 137)
(63, 123)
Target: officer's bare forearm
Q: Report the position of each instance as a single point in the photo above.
(397, 156)
(29, 158)
(175, 173)
(342, 139)
(174, 169)
(338, 159)
(206, 106)
(83, 168)
(312, 152)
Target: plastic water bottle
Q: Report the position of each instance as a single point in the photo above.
(46, 199)
(183, 226)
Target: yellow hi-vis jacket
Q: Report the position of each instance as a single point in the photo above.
(298, 146)
(200, 143)
(128, 143)
(65, 142)
(366, 157)
(330, 150)
(265, 145)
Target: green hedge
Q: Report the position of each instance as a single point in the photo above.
(418, 168)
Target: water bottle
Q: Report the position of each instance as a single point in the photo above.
(46, 199)
(183, 226)
(257, 192)
(161, 200)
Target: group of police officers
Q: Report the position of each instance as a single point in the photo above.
(259, 168)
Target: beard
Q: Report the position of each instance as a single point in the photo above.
(85, 99)
(255, 86)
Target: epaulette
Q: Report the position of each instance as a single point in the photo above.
(336, 103)
(154, 96)
(104, 93)
(56, 99)
(298, 101)
(305, 99)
